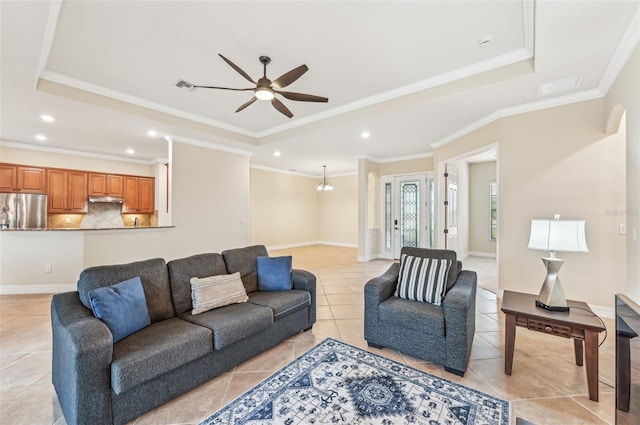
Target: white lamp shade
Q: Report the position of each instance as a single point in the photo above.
(558, 235)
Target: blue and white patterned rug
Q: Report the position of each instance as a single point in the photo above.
(337, 383)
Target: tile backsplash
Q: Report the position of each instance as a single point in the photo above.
(101, 215)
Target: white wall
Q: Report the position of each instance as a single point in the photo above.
(288, 210)
(552, 161)
(29, 156)
(25, 254)
(210, 212)
(625, 92)
(480, 176)
(284, 208)
(338, 212)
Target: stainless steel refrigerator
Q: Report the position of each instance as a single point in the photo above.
(23, 211)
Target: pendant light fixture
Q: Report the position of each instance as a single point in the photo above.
(324, 184)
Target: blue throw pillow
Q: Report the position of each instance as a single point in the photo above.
(122, 307)
(274, 273)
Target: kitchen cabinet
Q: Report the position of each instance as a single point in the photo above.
(139, 195)
(23, 179)
(106, 185)
(67, 190)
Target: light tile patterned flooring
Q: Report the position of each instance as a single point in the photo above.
(546, 386)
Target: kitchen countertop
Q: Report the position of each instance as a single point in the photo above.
(75, 229)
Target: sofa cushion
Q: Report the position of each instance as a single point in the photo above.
(122, 307)
(274, 273)
(155, 350)
(233, 322)
(243, 260)
(415, 315)
(155, 282)
(182, 270)
(422, 279)
(282, 303)
(212, 292)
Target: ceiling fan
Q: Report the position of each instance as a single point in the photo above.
(266, 89)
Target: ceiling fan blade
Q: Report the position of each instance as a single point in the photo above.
(289, 77)
(280, 107)
(302, 97)
(244, 105)
(238, 70)
(220, 88)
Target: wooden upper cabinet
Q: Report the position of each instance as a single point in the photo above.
(106, 185)
(139, 195)
(17, 178)
(67, 190)
(146, 195)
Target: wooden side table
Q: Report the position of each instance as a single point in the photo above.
(580, 325)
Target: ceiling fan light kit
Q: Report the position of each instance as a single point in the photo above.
(265, 89)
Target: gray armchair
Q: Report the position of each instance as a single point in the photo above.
(440, 334)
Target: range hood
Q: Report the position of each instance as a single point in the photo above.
(111, 199)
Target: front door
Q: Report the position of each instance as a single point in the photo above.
(405, 219)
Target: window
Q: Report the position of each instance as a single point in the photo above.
(493, 210)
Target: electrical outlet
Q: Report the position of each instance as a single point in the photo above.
(48, 268)
(67, 220)
(623, 229)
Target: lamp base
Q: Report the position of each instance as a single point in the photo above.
(551, 307)
(551, 295)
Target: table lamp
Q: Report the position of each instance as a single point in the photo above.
(556, 236)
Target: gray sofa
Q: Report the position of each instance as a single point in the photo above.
(440, 334)
(99, 382)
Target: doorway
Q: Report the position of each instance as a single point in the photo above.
(408, 213)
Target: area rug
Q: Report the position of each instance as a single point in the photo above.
(337, 383)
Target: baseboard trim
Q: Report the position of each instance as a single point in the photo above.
(603, 311)
(368, 258)
(299, 244)
(35, 289)
(482, 254)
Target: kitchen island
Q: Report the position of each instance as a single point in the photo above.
(50, 260)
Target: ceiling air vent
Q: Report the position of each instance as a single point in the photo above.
(184, 85)
(560, 85)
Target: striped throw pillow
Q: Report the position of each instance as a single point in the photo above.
(422, 279)
(212, 292)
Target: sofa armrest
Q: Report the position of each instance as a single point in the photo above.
(306, 281)
(382, 287)
(460, 320)
(81, 366)
(376, 291)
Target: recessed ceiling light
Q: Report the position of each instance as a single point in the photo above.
(152, 133)
(130, 151)
(485, 41)
(41, 137)
(47, 118)
(276, 153)
(365, 134)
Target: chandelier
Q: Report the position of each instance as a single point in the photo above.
(324, 184)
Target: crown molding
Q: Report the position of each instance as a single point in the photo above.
(50, 31)
(213, 146)
(623, 52)
(406, 157)
(134, 100)
(277, 170)
(447, 77)
(520, 109)
(84, 154)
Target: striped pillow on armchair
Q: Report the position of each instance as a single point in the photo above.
(422, 279)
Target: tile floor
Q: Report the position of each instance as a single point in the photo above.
(546, 387)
